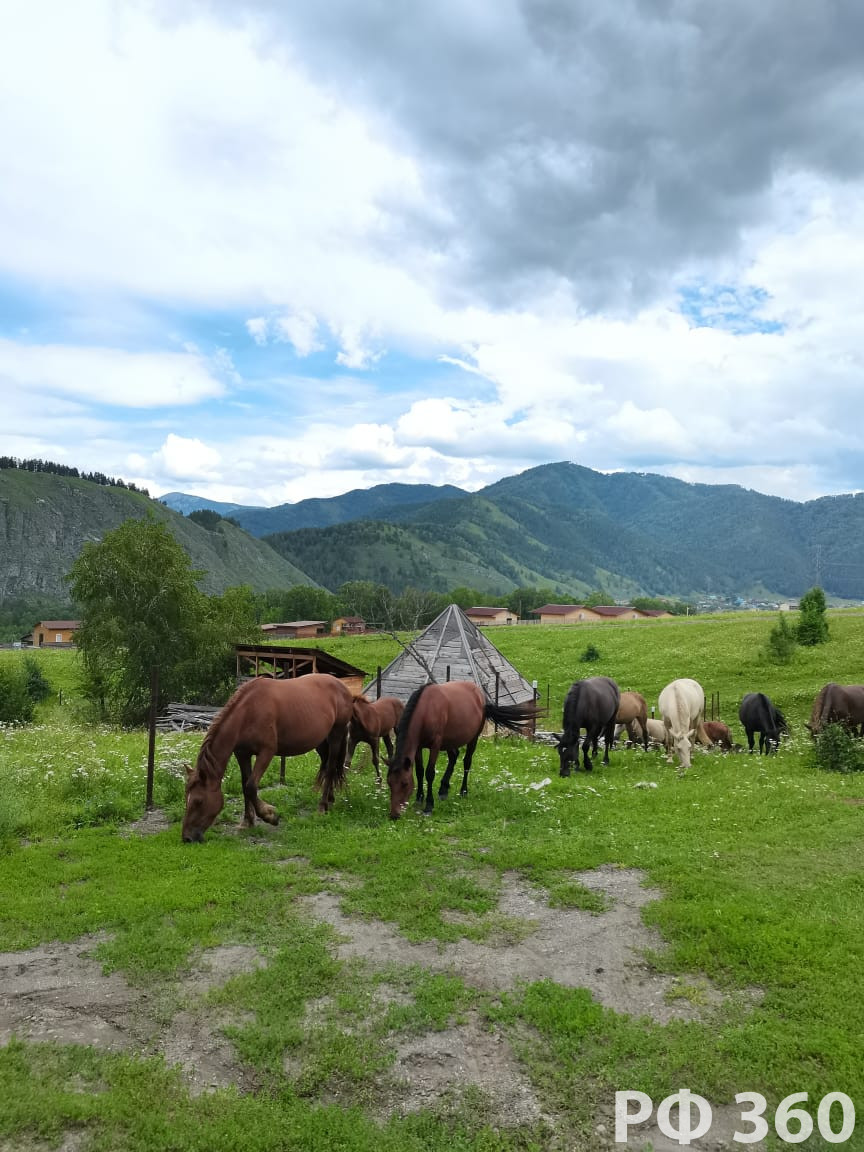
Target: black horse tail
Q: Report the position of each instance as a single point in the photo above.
(518, 718)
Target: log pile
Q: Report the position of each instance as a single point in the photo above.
(186, 717)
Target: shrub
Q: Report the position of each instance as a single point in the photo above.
(38, 685)
(835, 749)
(782, 641)
(812, 624)
(16, 705)
(590, 655)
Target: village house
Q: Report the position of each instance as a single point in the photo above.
(348, 626)
(48, 633)
(291, 629)
(488, 616)
(565, 614)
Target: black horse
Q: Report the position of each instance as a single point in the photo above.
(591, 704)
(758, 714)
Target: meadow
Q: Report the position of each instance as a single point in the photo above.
(755, 930)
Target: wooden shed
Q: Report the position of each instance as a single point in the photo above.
(285, 662)
(348, 626)
(452, 648)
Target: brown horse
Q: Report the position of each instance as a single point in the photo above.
(633, 714)
(718, 733)
(266, 718)
(838, 704)
(370, 723)
(445, 717)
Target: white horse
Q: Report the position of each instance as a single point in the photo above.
(682, 706)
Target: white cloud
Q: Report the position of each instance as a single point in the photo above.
(181, 458)
(108, 376)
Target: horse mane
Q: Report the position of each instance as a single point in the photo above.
(402, 728)
(206, 766)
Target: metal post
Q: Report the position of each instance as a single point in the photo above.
(448, 673)
(378, 683)
(497, 684)
(281, 769)
(151, 746)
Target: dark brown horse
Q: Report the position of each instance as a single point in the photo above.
(372, 722)
(266, 718)
(591, 704)
(445, 717)
(758, 713)
(838, 704)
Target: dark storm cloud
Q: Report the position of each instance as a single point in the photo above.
(604, 143)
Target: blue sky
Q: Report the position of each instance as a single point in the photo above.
(263, 252)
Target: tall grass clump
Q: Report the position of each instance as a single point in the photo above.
(16, 703)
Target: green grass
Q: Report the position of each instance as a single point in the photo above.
(760, 860)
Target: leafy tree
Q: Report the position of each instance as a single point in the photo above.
(812, 625)
(782, 641)
(673, 607)
(141, 607)
(599, 596)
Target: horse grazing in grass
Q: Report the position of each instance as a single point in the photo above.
(591, 704)
(266, 718)
(445, 717)
(758, 714)
(682, 705)
(719, 734)
(633, 714)
(370, 723)
(838, 704)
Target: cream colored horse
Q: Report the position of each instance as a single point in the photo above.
(682, 706)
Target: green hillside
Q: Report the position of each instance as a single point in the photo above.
(45, 519)
(575, 529)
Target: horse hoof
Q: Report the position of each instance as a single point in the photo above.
(442, 794)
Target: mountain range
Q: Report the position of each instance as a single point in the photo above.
(574, 529)
(560, 526)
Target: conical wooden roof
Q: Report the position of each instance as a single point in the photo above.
(452, 642)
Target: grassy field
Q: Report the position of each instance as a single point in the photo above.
(758, 864)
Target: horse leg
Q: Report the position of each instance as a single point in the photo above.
(466, 764)
(335, 744)
(586, 759)
(607, 740)
(418, 768)
(265, 812)
(349, 754)
(244, 759)
(430, 779)
(452, 757)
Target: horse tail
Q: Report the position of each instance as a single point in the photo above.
(404, 723)
(517, 718)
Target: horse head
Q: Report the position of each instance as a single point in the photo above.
(400, 781)
(204, 802)
(564, 748)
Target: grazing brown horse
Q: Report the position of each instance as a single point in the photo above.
(718, 733)
(266, 718)
(445, 717)
(633, 714)
(838, 704)
(370, 723)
